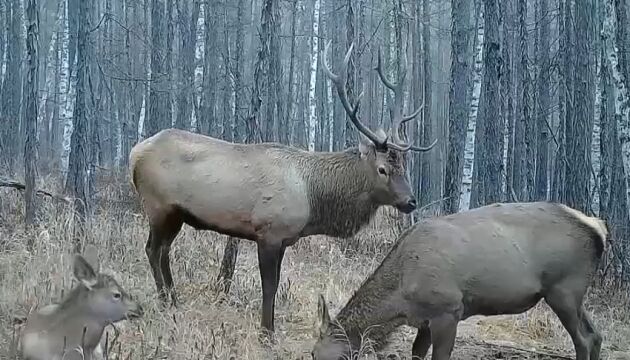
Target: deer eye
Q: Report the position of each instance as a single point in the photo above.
(382, 171)
(117, 295)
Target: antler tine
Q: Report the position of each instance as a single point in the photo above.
(351, 110)
(379, 69)
(423, 149)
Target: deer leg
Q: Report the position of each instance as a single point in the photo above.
(165, 259)
(443, 332)
(152, 250)
(565, 306)
(588, 331)
(269, 259)
(422, 343)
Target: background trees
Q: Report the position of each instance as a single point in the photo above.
(529, 98)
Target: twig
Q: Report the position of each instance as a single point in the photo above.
(19, 186)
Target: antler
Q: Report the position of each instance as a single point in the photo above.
(340, 84)
(398, 119)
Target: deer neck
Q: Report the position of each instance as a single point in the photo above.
(372, 312)
(339, 191)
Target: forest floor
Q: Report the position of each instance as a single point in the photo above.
(207, 325)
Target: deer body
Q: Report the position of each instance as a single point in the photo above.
(269, 193)
(73, 329)
(497, 259)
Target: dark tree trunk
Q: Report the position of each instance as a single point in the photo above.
(30, 101)
(12, 87)
(155, 119)
(528, 126)
(542, 104)
(458, 106)
(350, 132)
(507, 100)
(77, 182)
(426, 194)
(493, 129)
(578, 139)
(288, 120)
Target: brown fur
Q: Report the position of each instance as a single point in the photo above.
(268, 193)
(497, 259)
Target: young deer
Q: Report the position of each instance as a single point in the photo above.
(497, 259)
(73, 328)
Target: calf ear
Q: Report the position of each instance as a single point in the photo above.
(84, 272)
(324, 316)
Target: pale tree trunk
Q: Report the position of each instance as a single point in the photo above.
(473, 150)
(238, 72)
(30, 101)
(77, 181)
(458, 107)
(312, 104)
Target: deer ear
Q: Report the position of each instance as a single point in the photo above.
(84, 272)
(366, 147)
(324, 316)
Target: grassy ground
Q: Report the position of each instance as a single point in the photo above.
(210, 326)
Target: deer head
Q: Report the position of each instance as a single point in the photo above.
(384, 152)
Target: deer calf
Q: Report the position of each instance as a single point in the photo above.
(497, 259)
(73, 328)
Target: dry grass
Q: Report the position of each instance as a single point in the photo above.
(210, 326)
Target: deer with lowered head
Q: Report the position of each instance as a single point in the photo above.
(497, 259)
(73, 329)
(269, 193)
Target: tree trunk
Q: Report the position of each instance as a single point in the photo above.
(314, 56)
(289, 121)
(155, 118)
(528, 126)
(458, 107)
(426, 194)
(30, 149)
(493, 129)
(542, 105)
(77, 181)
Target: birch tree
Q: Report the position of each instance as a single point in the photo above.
(458, 107)
(312, 121)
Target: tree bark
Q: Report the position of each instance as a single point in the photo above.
(542, 104)
(426, 194)
(493, 129)
(77, 181)
(458, 107)
(32, 80)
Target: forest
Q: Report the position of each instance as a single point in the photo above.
(527, 100)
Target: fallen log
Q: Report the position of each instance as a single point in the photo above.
(19, 186)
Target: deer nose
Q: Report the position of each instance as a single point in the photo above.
(412, 203)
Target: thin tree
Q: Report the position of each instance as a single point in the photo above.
(542, 103)
(493, 121)
(458, 106)
(30, 94)
(77, 181)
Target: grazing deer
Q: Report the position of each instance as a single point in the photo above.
(269, 193)
(497, 259)
(73, 329)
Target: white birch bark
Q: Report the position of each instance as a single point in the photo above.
(312, 105)
(469, 149)
(65, 97)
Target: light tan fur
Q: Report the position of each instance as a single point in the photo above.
(269, 193)
(496, 259)
(56, 331)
